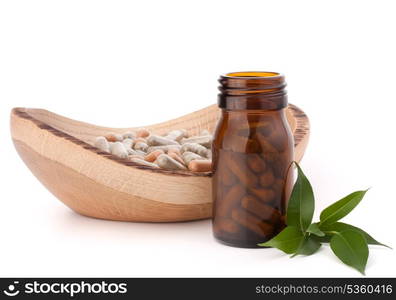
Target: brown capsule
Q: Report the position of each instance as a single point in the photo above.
(241, 144)
(142, 132)
(113, 137)
(270, 158)
(253, 146)
(240, 170)
(263, 127)
(264, 195)
(279, 139)
(277, 167)
(227, 225)
(226, 176)
(267, 179)
(245, 132)
(256, 163)
(266, 146)
(218, 196)
(284, 163)
(251, 222)
(250, 120)
(278, 186)
(288, 183)
(263, 211)
(200, 165)
(258, 120)
(236, 118)
(153, 155)
(230, 199)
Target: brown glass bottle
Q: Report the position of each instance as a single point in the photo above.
(252, 158)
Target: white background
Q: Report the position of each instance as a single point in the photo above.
(131, 63)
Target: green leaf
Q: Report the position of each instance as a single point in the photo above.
(301, 203)
(339, 227)
(308, 246)
(351, 248)
(287, 240)
(341, 208)
(314, 229)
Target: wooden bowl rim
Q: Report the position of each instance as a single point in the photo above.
(299, 116)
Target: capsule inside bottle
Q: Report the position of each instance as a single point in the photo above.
(252, 156)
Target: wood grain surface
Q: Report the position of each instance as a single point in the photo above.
(59, 152)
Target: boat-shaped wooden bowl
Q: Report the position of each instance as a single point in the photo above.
(60, 154)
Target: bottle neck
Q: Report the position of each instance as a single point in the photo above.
(252, 91)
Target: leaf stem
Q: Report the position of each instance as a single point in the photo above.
(330, 232)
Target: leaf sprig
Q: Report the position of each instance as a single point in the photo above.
(302, 237)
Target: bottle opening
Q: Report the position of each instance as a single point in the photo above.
(250, 74)
(252, 90)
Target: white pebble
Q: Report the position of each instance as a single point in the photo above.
(164, 148)
(176, 135)
(190, 156)
(129, 135)
(141, 146)
(102, 144)
(118, 149)
(128, 143)
(204, 140)
(143, 162)
(196, 148)
(156, 140)
(167, 162)
(205, 132)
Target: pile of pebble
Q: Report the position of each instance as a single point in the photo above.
(173, 151)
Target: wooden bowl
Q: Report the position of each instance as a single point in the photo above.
(60, 154)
